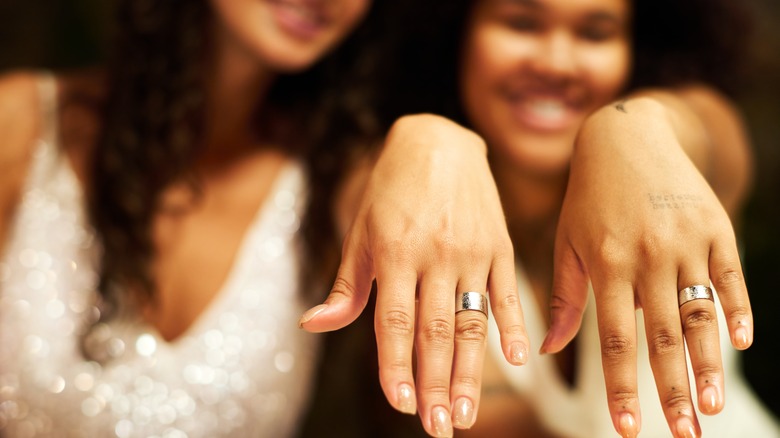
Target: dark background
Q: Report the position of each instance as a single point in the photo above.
(63, 34)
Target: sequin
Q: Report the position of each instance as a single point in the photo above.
(244, 370)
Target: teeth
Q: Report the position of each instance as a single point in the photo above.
(547, 108)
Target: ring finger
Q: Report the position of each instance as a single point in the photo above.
(470, 344)
(700, 327)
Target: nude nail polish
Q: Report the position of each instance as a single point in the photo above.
(311, 313)
(463, 415)
(518, 353)
(709, 400)
(685, 428)
(628, 426)
(406, 401)
(741, 338)
(440, 419)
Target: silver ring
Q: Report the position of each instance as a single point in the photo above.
(472, 301)
(695, 292)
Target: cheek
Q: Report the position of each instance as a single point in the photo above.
(487, 60)
(609, 71)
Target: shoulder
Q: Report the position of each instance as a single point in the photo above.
(19, 127)
(19, 121)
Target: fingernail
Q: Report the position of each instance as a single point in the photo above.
(741, 338)
(440, 419)
(628, 427)
(518, 353)
(463, 417)
(543, 348)
(685, 428)
(709, 400)
(406, 400)
(311, 313)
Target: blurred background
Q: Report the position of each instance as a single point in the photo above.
(67, 34)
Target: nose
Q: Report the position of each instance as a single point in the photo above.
(556, 57)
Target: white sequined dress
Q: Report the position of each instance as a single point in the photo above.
(244, 368)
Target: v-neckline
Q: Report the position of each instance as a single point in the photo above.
(284, 175)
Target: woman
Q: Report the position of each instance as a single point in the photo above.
(150, 213)
(619, 161)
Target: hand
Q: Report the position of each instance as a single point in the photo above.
(642, 223)
(429, 227)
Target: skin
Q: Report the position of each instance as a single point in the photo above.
(538, 81)
(387, 237)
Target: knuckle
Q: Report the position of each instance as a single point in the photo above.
(558, 302)
(467, 381)
(343, 287)
(436, 388)
(510, 302)
(614, 346)
(699, 319)
(728, 278)
(445, 245)
(621, 396)
(707, 370)
(437, 331)
(649, 247)
(395, 367)
(664, 342)
(611, 255)
(471, 330)
(513, 330)
(676, 398)
(396, 322)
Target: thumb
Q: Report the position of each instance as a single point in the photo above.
(569, 295)
(349, 294)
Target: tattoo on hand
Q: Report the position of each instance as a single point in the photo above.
(670, 201)
(620, 106)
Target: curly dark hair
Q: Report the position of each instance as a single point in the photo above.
(674, 42)
(153, 116)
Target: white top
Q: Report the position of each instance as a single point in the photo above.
(243, 369)
(582, 412)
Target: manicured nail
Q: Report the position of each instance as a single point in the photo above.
(518, 353)
(463, 417)
(628, 426)
(440, 419)
(685, 428)
(406, 401)
(741, 338)
(709, 400)
(311, 313)
(543, 348)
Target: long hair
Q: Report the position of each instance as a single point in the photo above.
(153, 116)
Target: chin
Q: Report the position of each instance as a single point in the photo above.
(540, 155)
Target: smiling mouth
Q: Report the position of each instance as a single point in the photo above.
(547, 114)
(299, 18)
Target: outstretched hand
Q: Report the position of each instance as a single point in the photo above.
(641, 223)
(429, 228)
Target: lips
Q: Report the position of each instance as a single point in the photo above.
(300, 19)
(545, 113)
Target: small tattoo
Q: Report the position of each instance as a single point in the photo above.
(671, 201)
(620, 106)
